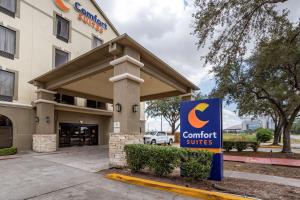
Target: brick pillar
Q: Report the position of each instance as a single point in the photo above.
(44, 140)
(126, 86)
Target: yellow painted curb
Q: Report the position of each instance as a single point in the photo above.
(270, 146)
(202, 194)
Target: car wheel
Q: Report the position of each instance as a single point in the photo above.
(153, 142)
(170, 142)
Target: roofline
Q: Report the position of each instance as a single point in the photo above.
(193, 86)
(105, 17)
(137, 45)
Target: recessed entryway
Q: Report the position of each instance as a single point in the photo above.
(6, 132)
(71, 134)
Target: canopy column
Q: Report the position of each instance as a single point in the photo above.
(126, 98)
(44, 139)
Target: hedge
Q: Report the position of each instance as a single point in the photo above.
(162, 160)
(8, 151)
(240, 145)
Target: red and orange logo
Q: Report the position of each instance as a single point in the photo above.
(193, 119)
(61, 5)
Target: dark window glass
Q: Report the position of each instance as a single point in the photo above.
(7, 42)
(7, 84)
(65, 99)
(95, 104)
(61, 57)
(97, 42)
(62, 27)
(8, 7)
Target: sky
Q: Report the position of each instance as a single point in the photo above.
(165, 28)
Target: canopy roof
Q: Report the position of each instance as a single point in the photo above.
(88, 75)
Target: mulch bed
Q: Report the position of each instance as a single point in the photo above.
(262, 190)
(264, 154)
(289, 172)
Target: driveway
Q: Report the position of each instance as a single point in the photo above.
(67, 174)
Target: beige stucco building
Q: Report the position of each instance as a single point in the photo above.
(68, 78)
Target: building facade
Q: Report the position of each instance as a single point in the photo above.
(36, 37)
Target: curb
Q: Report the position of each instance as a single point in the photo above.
(9, 157)
(270, 147)
(192, 192)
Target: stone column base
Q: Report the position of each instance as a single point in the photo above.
(117, 155)
(44, 143)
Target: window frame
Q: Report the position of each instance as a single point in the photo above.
(9, 12)
(10, 98)
(6, 54)
(97, 38)
(67, 40)
(54, 57)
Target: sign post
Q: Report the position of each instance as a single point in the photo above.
(201, 129)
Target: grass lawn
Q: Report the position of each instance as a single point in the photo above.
(239, 137)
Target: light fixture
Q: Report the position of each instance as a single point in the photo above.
(118, 107)
(48, 120)
(37, 119)
(135, 108)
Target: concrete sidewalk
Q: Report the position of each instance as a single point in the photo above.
(260, 177)
(268, 161)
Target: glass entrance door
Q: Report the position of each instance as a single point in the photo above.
(77, 135)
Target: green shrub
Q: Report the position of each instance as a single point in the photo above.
(241, 146)
(253, 145)
(228, 145)
(137, 156)
(163, 160)
(197, 164)
(8, 151)
(263, 135)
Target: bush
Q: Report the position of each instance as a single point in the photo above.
(8, 151)
(137, 156)
(263, 135)
(162, 160)
(240, 145)
(228, 145)
(197, 164)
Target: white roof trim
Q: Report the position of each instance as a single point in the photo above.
(126, 76)
(44, 101)
(46, 91)
(15, 105)
(128, 59)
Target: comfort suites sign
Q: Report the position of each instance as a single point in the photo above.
(84, 15)
(201, 128)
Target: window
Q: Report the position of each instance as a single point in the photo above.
(8, 7)
(62, 28)
(7, 84)
(96, 42)
(65, 99)
(7, 42)
(95, 104)
(61, 57)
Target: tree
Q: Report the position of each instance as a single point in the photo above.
(234, 26)
(168, 108)
(270, 77)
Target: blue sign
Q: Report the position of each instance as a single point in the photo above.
(201, 127)
(201, 124)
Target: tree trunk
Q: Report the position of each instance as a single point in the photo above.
(173, 128)
(287, 137)
(277, 133)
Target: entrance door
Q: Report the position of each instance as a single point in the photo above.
(77, 135)
(6, 132)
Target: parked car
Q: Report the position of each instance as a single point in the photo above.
(158, 137)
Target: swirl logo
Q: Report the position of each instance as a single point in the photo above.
(61, 5)
(193, 119)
